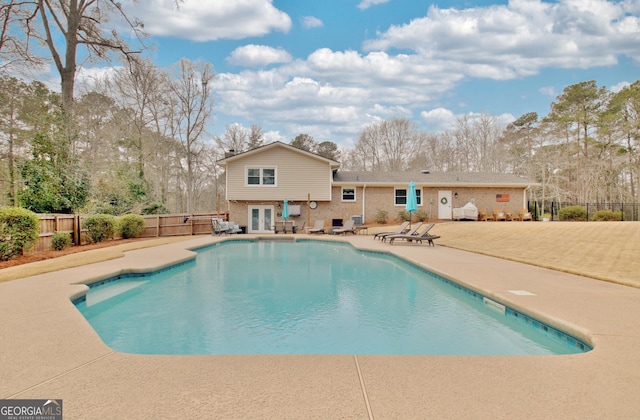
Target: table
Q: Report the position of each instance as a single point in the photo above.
(362, 230)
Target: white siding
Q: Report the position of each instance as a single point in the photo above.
(296, 176)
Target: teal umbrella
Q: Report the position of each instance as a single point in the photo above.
(412, 200)
(285, 215)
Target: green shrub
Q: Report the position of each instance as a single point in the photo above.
(608, 215)
(131, 225)
(577, 213)
(60, 241)
(381, 217)
(19, 229)
(100, 227)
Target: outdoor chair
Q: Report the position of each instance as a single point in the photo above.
(219, 227)
(412, 231)
(483, 216)
(401, 229)
(525, 215)
(318, 227)
(348, 227)
(508, 216)
(418, 237)
(233, 228)
(498, 215)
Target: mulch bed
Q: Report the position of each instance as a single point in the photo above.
(41, 256)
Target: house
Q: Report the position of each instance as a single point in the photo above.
(259, 180)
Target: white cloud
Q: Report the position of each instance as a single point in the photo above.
(258, 56)
(88, 77)
(520, 38)
(548, 91)
(365, 4)
(439, 119)
(333, 94)
(619, 86)
(309, 22)
(209, 20)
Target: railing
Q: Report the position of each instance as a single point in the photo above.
(630, 211)
(155, 226)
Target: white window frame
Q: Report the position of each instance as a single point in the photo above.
(262, 176)
(342, 194)
(418, 196)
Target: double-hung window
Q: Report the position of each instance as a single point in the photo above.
(348, 194)
(261, 176)
(401, 196)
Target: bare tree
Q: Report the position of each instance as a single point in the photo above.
(388, 145)
(16, 35)
(234, 140)
(255, 137)
(624, 109)
(82, 22)
(191, 89)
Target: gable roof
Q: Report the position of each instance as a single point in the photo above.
(234, 157)
(431, 179)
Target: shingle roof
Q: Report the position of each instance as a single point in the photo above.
(431, 178)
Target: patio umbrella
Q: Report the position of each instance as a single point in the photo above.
(412, 201)
(285, 215)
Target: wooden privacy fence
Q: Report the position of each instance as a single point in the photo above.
(155, 226)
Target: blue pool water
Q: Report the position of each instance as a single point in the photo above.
(307, 297)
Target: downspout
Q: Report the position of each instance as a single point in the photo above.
(364, 187)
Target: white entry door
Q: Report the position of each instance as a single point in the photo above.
(444, 205)
(260, 219)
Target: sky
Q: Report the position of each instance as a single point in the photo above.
(329, 68)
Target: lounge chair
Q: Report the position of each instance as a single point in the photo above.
(412, 231)
(423, 236)
(318, 227)
(348, 227)
(401, 229)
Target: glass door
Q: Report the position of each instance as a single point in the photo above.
(260, 219)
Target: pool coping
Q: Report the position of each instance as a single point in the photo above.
(49, 351)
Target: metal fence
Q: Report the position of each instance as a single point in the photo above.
(155, 226)
(630, 211)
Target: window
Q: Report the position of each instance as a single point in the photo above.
(401, 196)
(261, 176)
(348, 194)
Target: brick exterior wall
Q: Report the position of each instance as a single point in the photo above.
(382, 198)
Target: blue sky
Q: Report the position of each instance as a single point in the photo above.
(329, 68)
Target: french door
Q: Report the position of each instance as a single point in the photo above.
(260, 219)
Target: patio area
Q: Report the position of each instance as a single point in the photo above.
(49, 351)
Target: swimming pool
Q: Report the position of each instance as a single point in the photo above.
(307, 297)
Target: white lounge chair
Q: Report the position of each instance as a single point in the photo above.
(318, 227)
(348, 227)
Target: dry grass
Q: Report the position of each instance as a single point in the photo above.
(604, 250)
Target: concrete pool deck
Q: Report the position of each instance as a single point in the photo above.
(49, 351)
